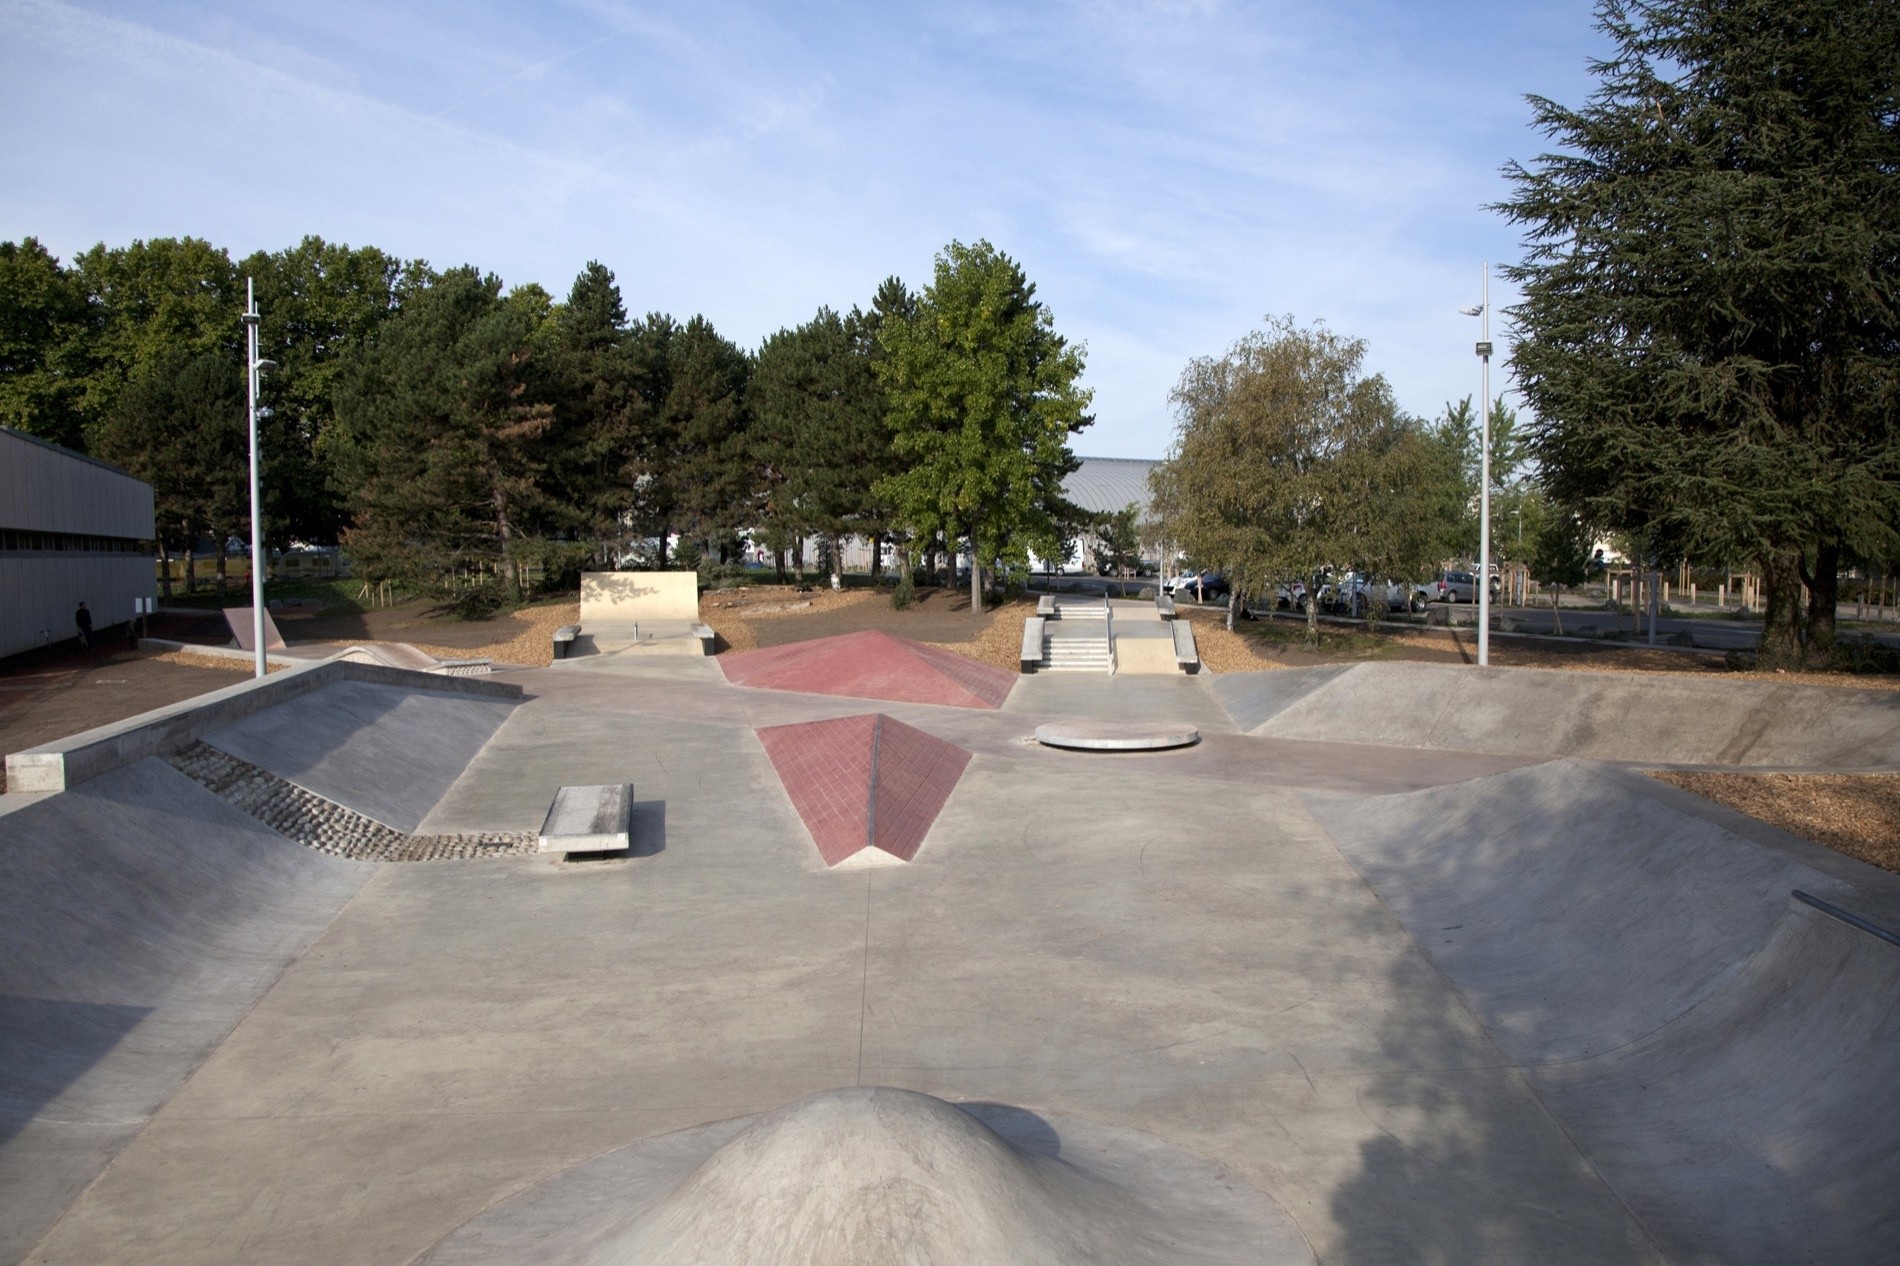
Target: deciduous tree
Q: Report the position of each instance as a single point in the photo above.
(983, 395)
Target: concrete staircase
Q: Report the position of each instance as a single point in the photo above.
(1076, 652)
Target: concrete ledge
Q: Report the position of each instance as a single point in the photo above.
(589, 820)
(1186, 654)
(68, 762)
(1031, 654)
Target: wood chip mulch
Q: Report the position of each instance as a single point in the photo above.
(1856, 814)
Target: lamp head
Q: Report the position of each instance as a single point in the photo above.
(1474, 310)
(265, 366)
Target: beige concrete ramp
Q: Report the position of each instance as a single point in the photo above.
(643, 612)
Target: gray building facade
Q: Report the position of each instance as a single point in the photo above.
(72, 529)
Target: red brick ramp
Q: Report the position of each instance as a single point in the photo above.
(871, 665)
(864, 781)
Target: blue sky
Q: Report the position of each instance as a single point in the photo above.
(1168, 173)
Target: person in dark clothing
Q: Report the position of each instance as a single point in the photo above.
(83, 618)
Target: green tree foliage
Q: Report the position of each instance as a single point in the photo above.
(1710, 331)
(596, 452)
(179, 424)
(46, 329)
(319, 302)
(1117, 546)
(1286, 458)
(1560, 555)
(437, 434)
(159, 302)
(711, 475)
(983, 396)
(819, 433)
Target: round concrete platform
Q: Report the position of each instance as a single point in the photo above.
(1117, 736)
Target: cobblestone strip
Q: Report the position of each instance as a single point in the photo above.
(324, 825)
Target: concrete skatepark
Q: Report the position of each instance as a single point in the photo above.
(1342, 982)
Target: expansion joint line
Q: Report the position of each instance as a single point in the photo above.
(864, 979)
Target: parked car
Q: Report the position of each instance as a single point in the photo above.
(1461, 586)
(1207, 586)
(1354, 594)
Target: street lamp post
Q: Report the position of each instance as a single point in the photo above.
(254, 369)
(1483, 310)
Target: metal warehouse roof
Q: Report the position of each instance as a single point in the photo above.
(1105, 484)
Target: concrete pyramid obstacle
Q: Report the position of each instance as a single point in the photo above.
(872, 665)
(875, 1176)
(864, 781)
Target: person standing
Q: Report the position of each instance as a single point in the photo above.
(83, 618)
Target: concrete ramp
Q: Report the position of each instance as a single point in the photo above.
(1591, 715)
(1773, 1102)
(140, 919)
(1253, 699)
(1723, 1054)
(645, 612)
(388, 752)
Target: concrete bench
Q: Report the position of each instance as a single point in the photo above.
(1164, 605)
(1185, 653)
(1032, 643)
(589, 820)
(564, 639)
(1046, 606)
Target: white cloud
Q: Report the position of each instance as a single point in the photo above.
(1168, 173)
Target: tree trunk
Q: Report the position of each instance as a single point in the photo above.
(877, 559)
(223, 566)
(1312, 619)
(1781, 608)
(976, 577)
(1233, 607)
(1824, 593)
(164, 569)
(836, 544)
(1556, 613)
(778, 564)
(664, 530)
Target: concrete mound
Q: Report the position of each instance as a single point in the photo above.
(864, 782)
(1723, 1052)
(872, 665)
(870, 1175)
(1595, 716)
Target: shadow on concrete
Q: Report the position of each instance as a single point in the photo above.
(1466, 1166)
(47, 1044)
(1720, 1057)
(1027, 1130)
(646, 828)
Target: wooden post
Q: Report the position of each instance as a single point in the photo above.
(1692, 593)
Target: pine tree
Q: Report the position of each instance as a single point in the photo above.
(1710, 331)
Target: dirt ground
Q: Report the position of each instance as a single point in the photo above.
(1856, 814)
